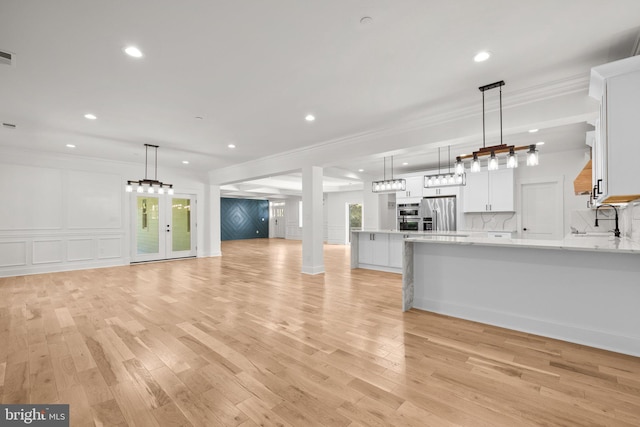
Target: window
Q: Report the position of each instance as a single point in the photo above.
(300, 214)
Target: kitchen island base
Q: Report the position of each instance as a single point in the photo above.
(580, 296)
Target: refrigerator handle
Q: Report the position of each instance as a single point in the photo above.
(435, 220)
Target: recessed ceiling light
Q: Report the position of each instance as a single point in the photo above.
(540, 143)
(231, 145)
(533, 130)
(199, 117)
(90, 116)
(185, 162)
(310, 117)
(405, 164)
(133, 51)
(360, 170)
(71, 146)
(482, 56)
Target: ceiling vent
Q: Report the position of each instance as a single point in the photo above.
(9, 125)
(7, 58)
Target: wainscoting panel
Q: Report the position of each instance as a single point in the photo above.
(80, 249)
(244, 219)
(109, 247)
(13, 254)
(47, 251)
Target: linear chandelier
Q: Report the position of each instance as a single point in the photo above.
(445, 180)
(493, 151)
(146, 183)
(388, 185)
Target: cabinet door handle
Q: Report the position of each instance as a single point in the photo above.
(598, 186)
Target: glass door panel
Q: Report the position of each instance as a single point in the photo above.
(147, 225)
(181, 224)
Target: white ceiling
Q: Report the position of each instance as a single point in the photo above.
(254, 69)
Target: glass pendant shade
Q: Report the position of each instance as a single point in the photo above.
(459, 166)
(459, 179)
(150, 190)
(170, 192)
(140, 189)
(475, 164)
(160, 190)
(129, 188)
(532, 156)
(512, 159)
(493, 162)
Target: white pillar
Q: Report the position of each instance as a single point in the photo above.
(312, 220)
(212, 219)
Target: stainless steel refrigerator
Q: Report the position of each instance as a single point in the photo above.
(438, 213)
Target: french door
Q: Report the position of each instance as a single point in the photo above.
(163, 227)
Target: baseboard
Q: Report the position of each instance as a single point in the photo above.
(57, 268)
(571, 333)
(386, 269)
(319, 269)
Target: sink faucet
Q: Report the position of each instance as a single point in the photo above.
(616, 231)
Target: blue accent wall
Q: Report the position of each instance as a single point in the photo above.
(241, 218)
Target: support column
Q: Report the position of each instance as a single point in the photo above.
(213, 220)
(312, 221)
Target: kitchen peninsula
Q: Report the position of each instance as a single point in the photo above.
(580, 289)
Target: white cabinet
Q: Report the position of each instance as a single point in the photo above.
(489, 191)
(616, 150)
(396, 247)
(414, 187)
(373, 248)
(444, 191)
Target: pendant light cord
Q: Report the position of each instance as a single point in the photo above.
(156, 166)
(146, 157)
(500, 115)
(483, 131)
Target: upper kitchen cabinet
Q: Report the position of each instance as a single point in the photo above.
(616, 148)
(489, 191)
(413, 190)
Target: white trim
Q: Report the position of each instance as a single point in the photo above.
(564, 332)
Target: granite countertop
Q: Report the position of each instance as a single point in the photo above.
(570, 242)
(580, 242)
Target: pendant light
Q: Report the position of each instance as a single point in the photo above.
(149, 184)
(495, 150)
(388, 185)
(445, 180)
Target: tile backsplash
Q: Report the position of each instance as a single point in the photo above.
(629, 220)
(491, 221)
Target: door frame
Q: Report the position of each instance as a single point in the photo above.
(164, 218)
(559, 197)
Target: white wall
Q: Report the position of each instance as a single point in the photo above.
(66, 212)
(336, 216)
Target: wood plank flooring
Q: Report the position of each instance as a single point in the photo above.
(247, 340)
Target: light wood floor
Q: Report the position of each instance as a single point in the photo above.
(247, 340)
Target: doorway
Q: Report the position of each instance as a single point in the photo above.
(542, 210)
(163, 227)
(277, 215)
(354, 219)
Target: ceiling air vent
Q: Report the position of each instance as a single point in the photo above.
(7, 58)
(9, 125)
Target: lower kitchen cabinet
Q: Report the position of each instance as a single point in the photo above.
(373, 248)
(396, 246)
(381, 251)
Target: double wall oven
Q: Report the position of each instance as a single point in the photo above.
(409, 218)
